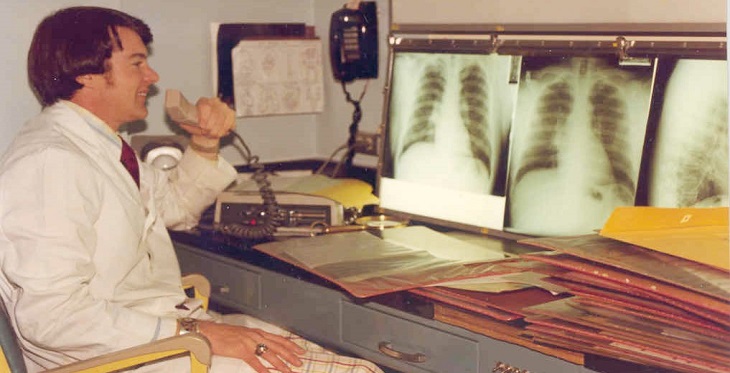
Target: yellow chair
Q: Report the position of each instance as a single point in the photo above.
(193, 344)
(200, 286)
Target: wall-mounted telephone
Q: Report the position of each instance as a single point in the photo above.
(354, 42)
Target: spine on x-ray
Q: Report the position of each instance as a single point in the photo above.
(608, 125)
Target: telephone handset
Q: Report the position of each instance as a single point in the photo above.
(181, 111)
(354, 42)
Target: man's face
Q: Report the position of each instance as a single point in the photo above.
(123, 92)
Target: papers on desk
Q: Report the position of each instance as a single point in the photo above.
(634, 303)
(366, 265)
(359, 247)
(610, 297)
(506, 282)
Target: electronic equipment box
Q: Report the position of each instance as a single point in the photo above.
(245, 208)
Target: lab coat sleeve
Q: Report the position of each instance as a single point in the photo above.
(49, 204)
(192, 186)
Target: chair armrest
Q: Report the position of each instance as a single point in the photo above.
(200, 285)
(193, 343)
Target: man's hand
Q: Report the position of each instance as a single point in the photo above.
(215, 120)
(241, 342)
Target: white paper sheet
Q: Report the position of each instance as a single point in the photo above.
(276, 77)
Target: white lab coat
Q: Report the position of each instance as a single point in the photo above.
(87, 264)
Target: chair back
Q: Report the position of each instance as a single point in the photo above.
(11, 356)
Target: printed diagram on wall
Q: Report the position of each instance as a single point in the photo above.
(577, 143)
(277, 77)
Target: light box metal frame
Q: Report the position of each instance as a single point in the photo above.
(631, 43)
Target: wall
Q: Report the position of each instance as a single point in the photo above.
(182, 55)
(17, 22)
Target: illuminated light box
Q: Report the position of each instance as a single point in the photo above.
(548, 143)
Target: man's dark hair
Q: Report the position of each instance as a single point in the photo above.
(73, 42)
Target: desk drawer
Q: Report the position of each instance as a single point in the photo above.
(231, 285)
(305, 308)
(389, 335)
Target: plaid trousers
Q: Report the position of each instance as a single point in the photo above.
(316, 359)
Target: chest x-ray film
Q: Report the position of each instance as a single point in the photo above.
(447, 130)
(577, 142)
(689, 162)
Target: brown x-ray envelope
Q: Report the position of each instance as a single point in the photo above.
(698, 234)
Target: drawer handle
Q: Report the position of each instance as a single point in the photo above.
(501, 367)
(387, 348)
(223, 289)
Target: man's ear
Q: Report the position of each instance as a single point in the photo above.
(88, 80)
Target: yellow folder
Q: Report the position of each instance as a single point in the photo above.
(697, 234)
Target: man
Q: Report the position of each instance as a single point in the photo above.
(87, 264)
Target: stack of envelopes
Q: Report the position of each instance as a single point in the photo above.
(634, 304)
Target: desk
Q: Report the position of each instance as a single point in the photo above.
(247, 281)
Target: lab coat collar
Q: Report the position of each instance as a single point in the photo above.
(93, 137)
(95, 122)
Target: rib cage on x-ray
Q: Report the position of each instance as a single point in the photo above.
(457, 114)
(579, 143)
(430, 95)
(472, 103)
(542, 148)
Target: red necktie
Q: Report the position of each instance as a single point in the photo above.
(129, 160)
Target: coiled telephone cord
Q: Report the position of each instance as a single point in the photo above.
(266, 227)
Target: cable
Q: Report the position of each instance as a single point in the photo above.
(273, 217)
(332, 156)
(356, 116)
(339, 165)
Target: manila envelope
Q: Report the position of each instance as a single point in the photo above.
(697, 234)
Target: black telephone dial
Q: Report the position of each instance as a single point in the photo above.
(354, 42)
